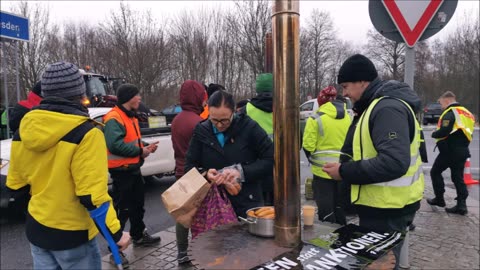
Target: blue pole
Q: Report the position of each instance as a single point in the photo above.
(99, 216)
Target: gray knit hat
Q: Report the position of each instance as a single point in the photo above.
(62, 79)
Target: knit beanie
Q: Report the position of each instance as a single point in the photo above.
(357, 68)
(327, 94)
(37, 89)
(125, 92)
(264, 83)
(213, 87)
(62, 79)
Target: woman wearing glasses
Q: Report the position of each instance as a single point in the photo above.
(232, 148)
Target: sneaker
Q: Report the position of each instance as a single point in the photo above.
(146, 240)
(125, 263)
(182, 258)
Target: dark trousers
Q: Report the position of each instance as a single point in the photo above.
(327, 193)
(389, 224)
(128, 199)
(456, 165)
(181, 234)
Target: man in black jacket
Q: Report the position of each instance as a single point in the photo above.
(454, 133)
(385, 173)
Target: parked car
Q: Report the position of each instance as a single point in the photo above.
(170, 112)
(431, 113)
(157, 164)
(309, 107)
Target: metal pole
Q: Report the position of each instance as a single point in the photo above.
(16, 71)
(409, 79)
(409, 65)
(5, 86)
(286, 55)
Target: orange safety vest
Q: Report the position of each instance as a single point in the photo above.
(205, 113)
(132, 136)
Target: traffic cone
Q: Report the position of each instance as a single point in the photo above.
(467, 174)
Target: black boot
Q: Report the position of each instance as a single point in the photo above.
(436, 201)
(460, 208)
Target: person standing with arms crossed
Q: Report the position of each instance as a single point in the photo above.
(386, 173)
(326, 130)
(126, 154)
(61, 159)
(454, 134)
(192, 101)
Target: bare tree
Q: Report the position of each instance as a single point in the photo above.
(250, 22)
(190, 35)
(141, 57)
(33, 55)
(317, 44)
(387, 53)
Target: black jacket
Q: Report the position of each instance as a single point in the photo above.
(246, 143)
(263, 101)
(16, 116)
(392, 130)
(456, 144)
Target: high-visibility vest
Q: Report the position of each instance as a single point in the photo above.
(394, 194)
(264, 119)
(464, 120)
(132, 137)
(330, 135)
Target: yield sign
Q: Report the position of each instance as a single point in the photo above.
(412, 17)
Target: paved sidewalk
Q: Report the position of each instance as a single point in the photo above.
(440, 240)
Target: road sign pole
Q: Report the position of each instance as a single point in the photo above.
(5, 77)
(409, 65)
(408, 79)
(16, 71)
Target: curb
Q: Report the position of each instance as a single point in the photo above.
(430, 127)
(475, 171)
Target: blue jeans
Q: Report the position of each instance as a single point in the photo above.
(86, 256)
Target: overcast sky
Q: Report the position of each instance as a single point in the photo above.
(351, 18)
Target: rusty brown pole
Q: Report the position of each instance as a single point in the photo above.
(268, 53)
(286, 54)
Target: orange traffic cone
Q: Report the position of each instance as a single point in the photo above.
(467, 174)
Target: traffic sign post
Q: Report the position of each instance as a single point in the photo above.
(16, 28)
(410, 21)
(411, 17)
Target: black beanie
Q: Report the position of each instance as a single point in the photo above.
(357, 68)
(37, 89)
(125, 92)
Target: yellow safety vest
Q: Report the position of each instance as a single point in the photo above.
(322, 132)
(464, 120)
(394, 194)
(264, 119)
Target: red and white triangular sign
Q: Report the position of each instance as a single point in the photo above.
(412, 17)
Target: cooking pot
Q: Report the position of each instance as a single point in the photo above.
(259, 226)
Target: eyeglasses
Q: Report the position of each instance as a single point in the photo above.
(224, 122)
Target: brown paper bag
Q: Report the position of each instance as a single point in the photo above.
(184, 197)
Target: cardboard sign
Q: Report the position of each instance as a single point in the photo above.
(348, 247)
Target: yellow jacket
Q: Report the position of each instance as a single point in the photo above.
(63, 157)
(326, 130)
